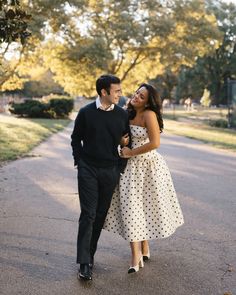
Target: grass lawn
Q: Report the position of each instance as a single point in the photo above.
(223, 138)
(18, 135)
(201, 114)
(195, 124)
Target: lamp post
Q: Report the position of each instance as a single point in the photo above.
(228, 103)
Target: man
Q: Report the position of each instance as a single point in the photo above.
(97, 133)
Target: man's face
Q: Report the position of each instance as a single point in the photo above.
(114, 96)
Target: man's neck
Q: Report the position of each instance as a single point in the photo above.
(105, 104)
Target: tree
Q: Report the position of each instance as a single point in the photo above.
(212, 70)
(13, 22)
(135, 40)
(222, 64)
(42, 17)
(165, 83)
(13, 28)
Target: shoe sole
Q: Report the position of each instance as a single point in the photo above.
(85, 278)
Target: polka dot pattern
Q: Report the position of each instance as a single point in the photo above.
(144, 205)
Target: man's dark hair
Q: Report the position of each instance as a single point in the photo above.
(104, 82)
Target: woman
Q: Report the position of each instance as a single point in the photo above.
(144, 205)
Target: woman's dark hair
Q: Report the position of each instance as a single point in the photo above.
(154, 104)
(104, 82)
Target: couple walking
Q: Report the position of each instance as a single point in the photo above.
(124, 184)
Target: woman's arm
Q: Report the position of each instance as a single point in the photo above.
(153, 135)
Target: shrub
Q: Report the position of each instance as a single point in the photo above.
(221, 123)
(56, 108)
(30, 108)
(61, 106)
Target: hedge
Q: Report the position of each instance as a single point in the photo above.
(56, 108)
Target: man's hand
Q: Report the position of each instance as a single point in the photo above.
(124, 140)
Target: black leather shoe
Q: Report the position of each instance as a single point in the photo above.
(85, 272)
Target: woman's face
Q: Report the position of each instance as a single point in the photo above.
(140, 98)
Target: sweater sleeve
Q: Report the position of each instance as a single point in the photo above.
(123, 161)
(77, 136)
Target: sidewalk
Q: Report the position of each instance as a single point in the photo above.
(39, 209)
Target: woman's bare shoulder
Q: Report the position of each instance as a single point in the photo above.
(148, 114)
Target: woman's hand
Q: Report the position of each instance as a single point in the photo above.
(126, 152)
(124, 140)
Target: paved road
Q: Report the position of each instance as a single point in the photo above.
(39, 209)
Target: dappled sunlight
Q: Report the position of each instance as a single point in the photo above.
(193, 144)
(58, 49)
(59, 182)
(38, 221)
(59, 143)
(204, 178)
(18, 135)
(198, 153)
(221, 137)
(57, 176)
(41, 208)
(55, 190)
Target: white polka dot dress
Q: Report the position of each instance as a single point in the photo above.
(144, 205)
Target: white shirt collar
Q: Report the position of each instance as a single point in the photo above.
(100, 106)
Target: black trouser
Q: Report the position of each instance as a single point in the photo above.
(96, 187)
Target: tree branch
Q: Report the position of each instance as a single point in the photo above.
(133, 64)
(8, 75)
(119, 63)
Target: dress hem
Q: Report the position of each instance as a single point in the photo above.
(146, 239)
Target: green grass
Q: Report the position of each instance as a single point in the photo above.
(195, 124)
(223, 138)
(200, 115)
(18, 136)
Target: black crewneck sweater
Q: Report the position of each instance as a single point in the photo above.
(97, 134)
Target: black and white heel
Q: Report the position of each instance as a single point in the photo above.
(135, 268)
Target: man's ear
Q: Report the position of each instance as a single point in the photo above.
(104, 92)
